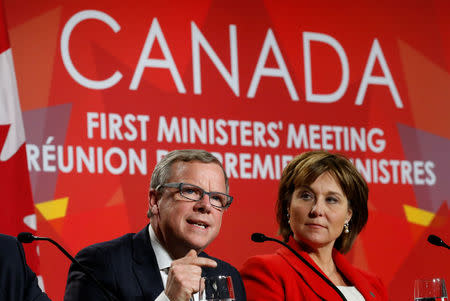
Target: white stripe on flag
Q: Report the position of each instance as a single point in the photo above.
(10, 112)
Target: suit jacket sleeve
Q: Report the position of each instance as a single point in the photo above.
(224, 268)
(17, 280)
(238, 285)
(80, 286)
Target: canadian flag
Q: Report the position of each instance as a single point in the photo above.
(17, 208)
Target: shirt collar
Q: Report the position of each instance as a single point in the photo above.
(162, 256)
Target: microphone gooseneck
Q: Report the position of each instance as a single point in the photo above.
(259, 237)
(26, 237)
(437, 241)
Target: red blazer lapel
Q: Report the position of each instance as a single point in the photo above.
(315, 283)
(354, 276)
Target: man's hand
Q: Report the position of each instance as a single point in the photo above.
(184, 276)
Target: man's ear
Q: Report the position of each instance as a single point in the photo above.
(153, 201)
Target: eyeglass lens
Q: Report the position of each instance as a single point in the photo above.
(195, 193)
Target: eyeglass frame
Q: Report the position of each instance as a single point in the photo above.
(180, 184)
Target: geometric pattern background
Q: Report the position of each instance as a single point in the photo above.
(244, 103)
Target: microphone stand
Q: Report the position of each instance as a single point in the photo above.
(26, 237)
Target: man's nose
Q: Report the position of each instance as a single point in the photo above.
(203, 205)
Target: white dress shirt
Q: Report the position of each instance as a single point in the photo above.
(164, 261)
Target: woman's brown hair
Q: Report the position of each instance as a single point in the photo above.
(304, 170)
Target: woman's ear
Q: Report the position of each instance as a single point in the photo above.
(349, 215)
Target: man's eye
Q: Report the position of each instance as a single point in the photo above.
(218, 200)
(191, 191)
(215, 197)
(218, 197)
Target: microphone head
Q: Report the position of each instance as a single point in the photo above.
(259, 237)
(433, 239)
(25, 237)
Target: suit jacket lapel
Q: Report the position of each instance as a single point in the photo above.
(317, 284)
(354, 276)
(145, 266)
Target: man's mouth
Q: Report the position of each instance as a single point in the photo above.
(198, 224)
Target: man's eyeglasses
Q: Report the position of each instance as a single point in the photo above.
(192, 192)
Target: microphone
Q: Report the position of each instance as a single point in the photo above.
(27, 237)
(259, 237)
(435, 240)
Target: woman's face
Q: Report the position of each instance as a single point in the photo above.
(318, 212)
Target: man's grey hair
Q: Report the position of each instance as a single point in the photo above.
(163, 169)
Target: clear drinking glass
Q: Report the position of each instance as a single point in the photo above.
(216, 288)
(430, 290)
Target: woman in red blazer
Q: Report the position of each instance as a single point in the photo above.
(321, 208)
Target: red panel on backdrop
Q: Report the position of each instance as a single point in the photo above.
(112, 87)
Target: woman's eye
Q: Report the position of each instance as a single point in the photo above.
(306, 195)
(332, 200)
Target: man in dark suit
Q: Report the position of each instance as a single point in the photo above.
(165, 260)
(17, 280)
